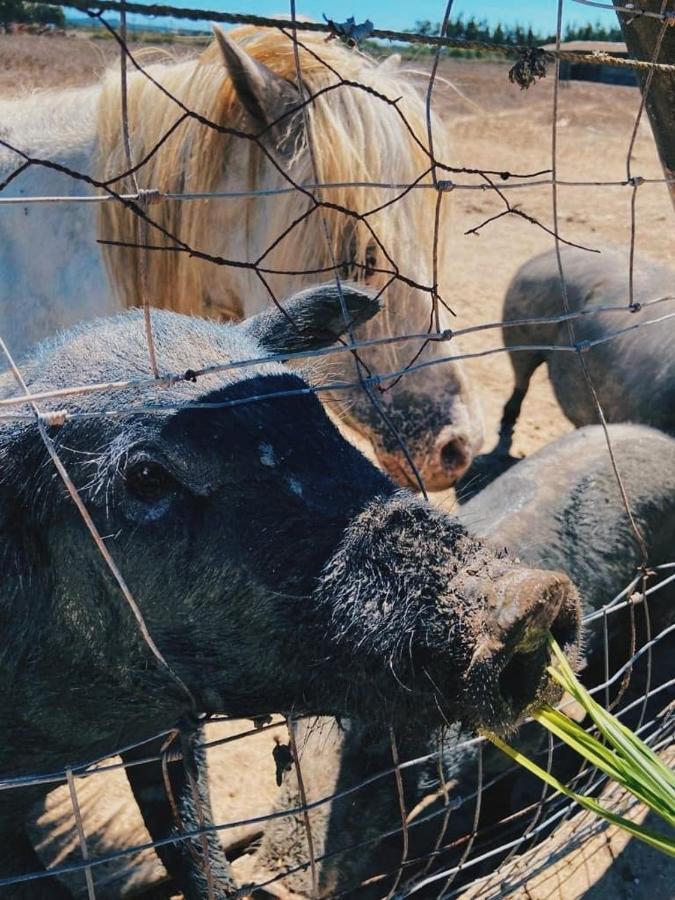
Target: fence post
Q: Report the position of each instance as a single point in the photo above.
(640, 34)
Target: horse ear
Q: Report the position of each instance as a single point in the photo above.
(312, 318)
(390, 63)
(266, 96)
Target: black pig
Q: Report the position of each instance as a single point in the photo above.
(275, 567)
(560, 507)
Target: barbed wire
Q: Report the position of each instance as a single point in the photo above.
(549, 809)
(329, 28)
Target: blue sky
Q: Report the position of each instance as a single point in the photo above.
(541, 14)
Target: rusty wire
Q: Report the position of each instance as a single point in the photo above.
(91, 892)
(636, 181)
(329, 28)
(143, 286)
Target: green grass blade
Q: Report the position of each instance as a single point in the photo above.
(658, 841)
(637, 754)
(585, 745)
(602, 757)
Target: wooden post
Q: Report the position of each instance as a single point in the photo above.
(640, 34)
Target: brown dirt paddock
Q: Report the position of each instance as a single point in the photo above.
(494, 126)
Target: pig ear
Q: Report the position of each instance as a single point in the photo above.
(265, 96)
(311, 318)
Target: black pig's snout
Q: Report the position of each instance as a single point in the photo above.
(507, 673)
(532, 603)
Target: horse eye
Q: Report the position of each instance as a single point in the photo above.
(371, 260)
(148, 481)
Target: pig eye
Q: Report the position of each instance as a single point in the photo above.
(148, 481)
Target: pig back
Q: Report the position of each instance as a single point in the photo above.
(633, 372)
(561, 508)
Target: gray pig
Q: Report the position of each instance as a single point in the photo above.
(275, 567)
(562, 508)
(633, 374)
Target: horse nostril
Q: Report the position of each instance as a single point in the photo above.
(455, 455)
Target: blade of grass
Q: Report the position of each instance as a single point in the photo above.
(620, 755)
(600, 756)
(660, 842)
(636, 752)
(592, 706)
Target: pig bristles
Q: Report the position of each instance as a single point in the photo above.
(98, 540)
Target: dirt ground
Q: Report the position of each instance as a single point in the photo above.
(494, 126)
(30, 62)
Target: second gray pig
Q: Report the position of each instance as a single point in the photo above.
(633, 373)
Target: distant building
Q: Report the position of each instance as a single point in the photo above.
(607, 74)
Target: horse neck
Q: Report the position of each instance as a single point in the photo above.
(53, 125)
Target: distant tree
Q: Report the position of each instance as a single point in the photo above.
(19, 11)
(519, 35)
(456, 27)
(597, 32)
(473, 29)
(46, 15)
(425, 27)
(10, 11)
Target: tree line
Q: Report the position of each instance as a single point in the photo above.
(473, 29)
(16, 11)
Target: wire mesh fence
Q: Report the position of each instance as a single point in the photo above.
(336, 169)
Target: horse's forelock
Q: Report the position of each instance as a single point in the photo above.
(357, 138)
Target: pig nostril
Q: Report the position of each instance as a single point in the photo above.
(454, 455)
(523, 675)
(565, 627)
(520, 679)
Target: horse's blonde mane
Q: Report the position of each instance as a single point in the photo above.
(356, 138)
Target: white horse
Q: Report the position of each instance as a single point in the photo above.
(53, 273)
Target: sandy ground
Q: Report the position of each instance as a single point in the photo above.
(494, 126)
(29, 62)
(580, 861)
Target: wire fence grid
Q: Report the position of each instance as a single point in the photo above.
(488, 850)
